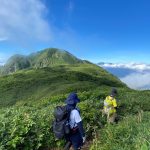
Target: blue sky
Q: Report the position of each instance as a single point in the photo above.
(96, 30)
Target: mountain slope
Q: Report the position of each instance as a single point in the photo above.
(45, 58)
(53, 56)
(49, 72)
(17, 62)
(35, 84)
(27, 125)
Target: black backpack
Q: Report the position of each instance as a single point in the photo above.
(61, 125)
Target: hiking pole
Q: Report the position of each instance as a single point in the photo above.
(67, 146)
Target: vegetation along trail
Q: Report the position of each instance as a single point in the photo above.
(32, 86)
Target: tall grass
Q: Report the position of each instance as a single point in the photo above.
(27, 125)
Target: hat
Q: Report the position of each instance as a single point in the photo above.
(113, 92)
(72, 99)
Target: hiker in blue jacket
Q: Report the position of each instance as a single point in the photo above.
(77, 135)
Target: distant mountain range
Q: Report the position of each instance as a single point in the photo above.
(135, 75)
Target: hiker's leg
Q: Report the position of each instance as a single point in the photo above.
(68, 142)
(108, 118)
(117, 118)
(112, 118)
(67, 146)
(76, 140)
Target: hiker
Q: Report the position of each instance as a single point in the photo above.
(77, 134)
(110, 105)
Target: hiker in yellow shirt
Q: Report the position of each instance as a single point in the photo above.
(110, 105)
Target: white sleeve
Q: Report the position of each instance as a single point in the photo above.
(77, 117)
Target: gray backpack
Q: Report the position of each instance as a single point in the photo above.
(61, 125)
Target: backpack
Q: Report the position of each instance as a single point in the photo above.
(61, 125)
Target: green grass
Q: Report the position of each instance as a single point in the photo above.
(34, 84)
(131, 133)
(27, 125)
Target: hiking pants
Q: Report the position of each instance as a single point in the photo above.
(76, 140)
(111, 118)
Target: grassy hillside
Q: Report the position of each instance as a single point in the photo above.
(28, 125)
(34, 84)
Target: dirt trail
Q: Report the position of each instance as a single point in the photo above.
(85, 147)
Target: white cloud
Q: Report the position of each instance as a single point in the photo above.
(22, 20)
(137, 80)
(135, 66)
(135, 75)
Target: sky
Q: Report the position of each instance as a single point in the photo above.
(95, 30)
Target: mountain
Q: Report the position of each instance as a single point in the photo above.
(17, 62)
(50, 72)
(53, 56)
(45, 58)
(135, 75)
(1, 68)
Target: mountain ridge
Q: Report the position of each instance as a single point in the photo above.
(43, 75)
(44, 58)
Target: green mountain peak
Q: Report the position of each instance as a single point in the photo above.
(51, 57)
(44, 58)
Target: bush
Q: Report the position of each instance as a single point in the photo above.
(131, 133)
(27, 125)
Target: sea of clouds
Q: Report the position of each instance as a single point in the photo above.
(135, 75)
